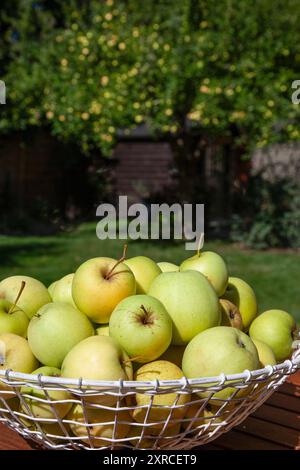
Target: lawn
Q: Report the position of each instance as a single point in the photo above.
(274, 276)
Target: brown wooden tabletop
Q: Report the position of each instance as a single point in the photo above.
(274, 426)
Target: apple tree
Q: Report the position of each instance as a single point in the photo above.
(87, 69)
(192, 70)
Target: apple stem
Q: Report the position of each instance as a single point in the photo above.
(23, 284)
(131, 359)
(144, 310)
(200, 243)
(117, 263)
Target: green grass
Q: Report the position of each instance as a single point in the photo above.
(274, 276)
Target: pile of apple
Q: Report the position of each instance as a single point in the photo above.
(134, 319)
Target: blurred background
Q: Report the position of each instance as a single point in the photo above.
(164, 101)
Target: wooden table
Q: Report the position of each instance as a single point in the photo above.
(274, 426)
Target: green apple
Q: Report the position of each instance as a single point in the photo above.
(219, 350)
(15, 354)
(169, 436)
(265, 353)
(161, 406)
(98, 358)
(103, 425)
(242, 295)
(142, 327)
(62, 291)
(12, 319)
(13, 404)
(203, 417)
(51, 289)
(173, 354)
(150, 436)
(53, 430)
(167, 267)
(102, 330)
(145, 270)
(54, 330)
(40, 409)
(231, 315)
(275, 328)
(212, 266)
(99, 285)
(34, 296)
(191, 302)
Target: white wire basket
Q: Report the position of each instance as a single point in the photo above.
(71, 414)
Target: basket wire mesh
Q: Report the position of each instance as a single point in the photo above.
(71, 414)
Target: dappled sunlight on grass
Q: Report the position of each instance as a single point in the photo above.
(274, 275)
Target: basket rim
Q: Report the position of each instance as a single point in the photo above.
(184, 382)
